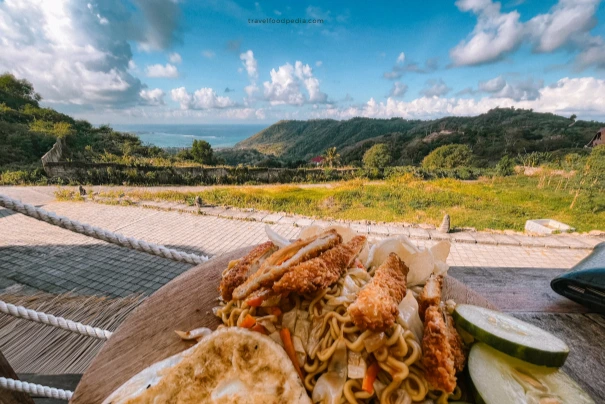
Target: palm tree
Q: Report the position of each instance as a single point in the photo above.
(331, 158)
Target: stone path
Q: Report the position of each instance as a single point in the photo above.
(38, 256)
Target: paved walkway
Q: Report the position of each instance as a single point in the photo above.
(38, 256)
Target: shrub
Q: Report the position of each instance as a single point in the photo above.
(449, 156)
(505, 167)
(202, 152)
(377, 157)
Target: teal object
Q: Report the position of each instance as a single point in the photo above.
(585, 283)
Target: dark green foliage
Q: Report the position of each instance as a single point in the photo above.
(491, 135)
(16, 93)
(505, 167)
(377, 157)
(202, 152)
(448, 157)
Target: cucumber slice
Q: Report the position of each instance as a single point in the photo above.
(502, 379)
(512, 336)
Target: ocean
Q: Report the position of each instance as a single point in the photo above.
(183, 135)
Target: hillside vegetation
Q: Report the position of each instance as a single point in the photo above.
(490, 136)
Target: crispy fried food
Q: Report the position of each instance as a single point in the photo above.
(320, 272)
(238, 273)
(437, 355)
(286, 258)
(430, 295)
(376, 305)
(459, 351)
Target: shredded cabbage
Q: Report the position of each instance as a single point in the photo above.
(329, 386)
(357, 366)
(409, 317)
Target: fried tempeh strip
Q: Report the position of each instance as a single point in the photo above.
(320, 272)
(430, 295)
(246, 266)
(437, 355)
(285, 258)
(458, 349)
(376, 306)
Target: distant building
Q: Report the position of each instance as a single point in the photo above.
(319, 160)
(598, 139)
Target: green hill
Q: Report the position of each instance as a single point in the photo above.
(28, 131)
(491, 135)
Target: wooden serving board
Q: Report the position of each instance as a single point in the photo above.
(147, 335)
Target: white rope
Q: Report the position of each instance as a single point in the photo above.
(49, 319)
(35, 389)
(102, 234)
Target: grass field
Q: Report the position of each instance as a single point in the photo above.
(498, 203)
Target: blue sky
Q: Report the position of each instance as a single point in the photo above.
(166, 61)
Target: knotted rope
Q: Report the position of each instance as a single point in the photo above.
(98, 233)
(35, 389)
(49, 319)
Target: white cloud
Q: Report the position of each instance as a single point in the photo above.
(76, 54)
(175, 58)
(168, 71)
(401, 58)
(518, 91)
(208, 54)
(493, 85)
(494, 36)
(286, 82)
(497, 34)
(204, 98)
(567, 21)
(250, 64)
(592, 55)
(319, 63)
(584, 97)
(435, 88)
(398, 90)
(152, 97)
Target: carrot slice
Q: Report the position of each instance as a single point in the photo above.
(286, 338)
(255, 301)
(276, 311)
(259, 328)
(368, 379)
(248, 321)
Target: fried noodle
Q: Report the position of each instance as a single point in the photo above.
(397, 350)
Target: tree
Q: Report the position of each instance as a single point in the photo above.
(331, 158)
(377, 156)
(449, 156)
(202, 152)
(573, 117)
(17, 93)
(506, 166)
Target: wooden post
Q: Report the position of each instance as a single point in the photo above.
(8, 396)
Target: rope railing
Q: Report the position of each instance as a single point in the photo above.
(49, 319)
(60, 322)
(98, 233)
(35, 389)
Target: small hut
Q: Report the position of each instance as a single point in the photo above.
(598, 139)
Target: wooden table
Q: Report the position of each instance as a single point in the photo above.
(147, 335)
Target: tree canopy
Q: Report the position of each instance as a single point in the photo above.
(378, 156)
(202, 152)
(16, 93)
(449, 156)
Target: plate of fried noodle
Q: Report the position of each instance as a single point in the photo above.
(331, 317)
(362, 321)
